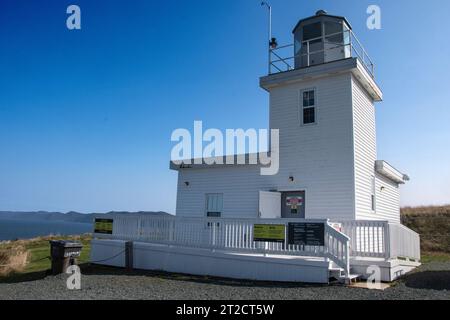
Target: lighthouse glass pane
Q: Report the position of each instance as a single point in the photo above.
(312, 31)
(333, 32)
(332, 27)
(312, 45)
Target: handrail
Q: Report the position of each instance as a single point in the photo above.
(356, 49)
(381, 239)
(339, 252)
(404, 242)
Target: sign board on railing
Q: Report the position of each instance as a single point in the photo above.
(306, 233)
(103, 226)
(269, 232)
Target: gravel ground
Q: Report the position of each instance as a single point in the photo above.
(430, 281)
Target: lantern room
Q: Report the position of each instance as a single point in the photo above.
(320, 39)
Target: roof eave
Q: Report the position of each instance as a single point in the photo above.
(386, 170)
(323, 15)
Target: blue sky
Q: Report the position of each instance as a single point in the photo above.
(86, 116)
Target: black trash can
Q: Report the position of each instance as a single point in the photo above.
(64, 254)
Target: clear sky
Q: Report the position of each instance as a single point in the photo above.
(86, 116)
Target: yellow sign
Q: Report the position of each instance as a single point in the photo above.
(103, 226)
(269, 232)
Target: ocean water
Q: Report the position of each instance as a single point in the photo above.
(20, 229)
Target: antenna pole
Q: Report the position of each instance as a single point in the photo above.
(264, 3)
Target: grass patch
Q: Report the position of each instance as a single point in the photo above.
(37, 251)
(12, 258)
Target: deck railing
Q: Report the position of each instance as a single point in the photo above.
(403, 242)
(358, 238)
(235, 235)
(381, 239)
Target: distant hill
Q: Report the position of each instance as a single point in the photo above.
(68, 217)
(426, 210)
(433, 225)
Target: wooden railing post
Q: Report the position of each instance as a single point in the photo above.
(347, 258)
(387, 241)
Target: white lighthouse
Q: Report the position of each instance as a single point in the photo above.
(330, 211)
(322, 101)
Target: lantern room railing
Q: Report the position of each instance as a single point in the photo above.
(283, 58)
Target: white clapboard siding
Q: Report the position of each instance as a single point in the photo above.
(387, 199)
(333, 160)
(240, 186)
(364, 149)
(318, 156)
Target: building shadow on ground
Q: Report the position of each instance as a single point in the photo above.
(435, 280)
(88, 269)
(24, 277)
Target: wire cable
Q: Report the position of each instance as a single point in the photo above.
(97, 261)
(80, 261)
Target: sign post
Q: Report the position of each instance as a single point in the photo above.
(104, 226)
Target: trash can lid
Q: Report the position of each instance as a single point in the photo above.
(66, 243)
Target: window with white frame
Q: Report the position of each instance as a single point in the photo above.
(214, 204)
(309, 106)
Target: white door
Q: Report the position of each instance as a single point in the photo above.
(269, 205)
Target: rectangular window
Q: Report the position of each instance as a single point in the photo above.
(214, 205)
(309, 107)
(372, 197)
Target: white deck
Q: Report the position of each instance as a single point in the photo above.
(197, 261)
(225, 248)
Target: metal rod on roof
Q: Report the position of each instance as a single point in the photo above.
(264, 3)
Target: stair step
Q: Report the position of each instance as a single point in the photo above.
(351, 278)
(335, 272)
(338, 273)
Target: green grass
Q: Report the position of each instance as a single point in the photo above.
(428, 257)
(39, 251)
